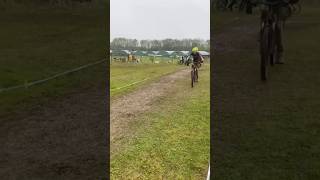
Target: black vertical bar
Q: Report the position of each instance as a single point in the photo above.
(108, 89)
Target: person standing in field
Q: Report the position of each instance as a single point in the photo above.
(130, 57)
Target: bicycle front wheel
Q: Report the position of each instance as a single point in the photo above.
(196, 75)
(264, 52)
(192, 78)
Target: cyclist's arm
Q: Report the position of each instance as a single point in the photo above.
(201, 57)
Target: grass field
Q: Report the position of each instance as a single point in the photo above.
(172, 141)
(37, 43)
(123, 76)
(267, 130)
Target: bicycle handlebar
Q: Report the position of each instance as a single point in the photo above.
(251, 4)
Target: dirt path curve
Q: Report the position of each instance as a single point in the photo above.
(126, 108)
(61, 139)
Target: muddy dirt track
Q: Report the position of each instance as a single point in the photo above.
(61, 140)
(124, 109)
(65, 139)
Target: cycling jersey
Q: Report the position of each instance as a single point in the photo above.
(196, 57)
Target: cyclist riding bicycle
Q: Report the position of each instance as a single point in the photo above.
(196, 56)
(282, 12)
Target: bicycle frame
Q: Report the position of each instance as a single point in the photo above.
(268, 50)
(194, 73)
(269, 19)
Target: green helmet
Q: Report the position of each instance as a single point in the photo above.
(195, 49)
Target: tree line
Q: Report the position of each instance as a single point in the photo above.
(222, 5)
(60, 3)
(154, 45)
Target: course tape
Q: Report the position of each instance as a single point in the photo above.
(137, 82)
(131, 84)
(27, 85)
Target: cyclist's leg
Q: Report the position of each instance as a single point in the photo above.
(196, 73)
(263, 17)
(279, 35)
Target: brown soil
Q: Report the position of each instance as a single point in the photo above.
(125, 109)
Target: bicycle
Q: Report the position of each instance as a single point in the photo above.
(268, 37)
(194, 73)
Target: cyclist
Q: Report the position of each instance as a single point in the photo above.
(196, 56)
(282, 12)
(197, 60)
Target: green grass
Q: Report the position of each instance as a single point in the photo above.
(37, 43)
(172, 141)
(269, 130)
(225, 20)
(123, 74)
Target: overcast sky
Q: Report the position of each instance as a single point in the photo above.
(159, 19)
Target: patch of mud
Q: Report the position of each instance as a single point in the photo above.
(126, 108)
